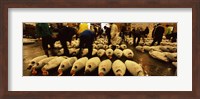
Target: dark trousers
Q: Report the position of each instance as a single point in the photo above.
(109, 37)
(156, 40)
(129, 34)
(122, 35)
(174, 37)
(47, 40)
(86, 42)
(63, 42)
(168, 36)
(138, 39)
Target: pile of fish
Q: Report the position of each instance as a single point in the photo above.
(166, 51)
(100, 48)
(63, 63)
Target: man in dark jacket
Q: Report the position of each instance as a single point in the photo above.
(43, 31)
(146, 31)
(136, 35)
(87, 38)
(158, 34)
(65, 34)
(123, 32)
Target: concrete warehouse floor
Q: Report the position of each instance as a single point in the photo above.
(153, 66)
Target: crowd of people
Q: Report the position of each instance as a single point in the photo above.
(87, 36)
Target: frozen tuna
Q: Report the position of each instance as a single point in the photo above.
(94, 46)
(134, 68)
(94, 52)
(172, 56)
(128, 53)
(118, 46)
(52, 64)
(35, 60)
(73, 51)
(118, 68)
(130, 42)
(123, 46)
(105, 47)
(118, 53)
(100, 52)
(147, 48)
(66, 64)
(139, 48)
(158, 55)
(99, 46)
(78, 65)
(165, 48)
(104, 67)
(84, 51)
(92, 64)
(40, 64)
(109, 53)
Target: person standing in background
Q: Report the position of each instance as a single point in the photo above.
(146, 31)
(87, 38)
(129, 32)
(65, 34)
(100, 32)
(174, 34)
(43, 31)
(158, 34)
(114, 35)
(123, 32)
(142, 34)
(82, 27)
(54, 33)
(132, 32)
(136, 35)
(153, 32)
(168, 33)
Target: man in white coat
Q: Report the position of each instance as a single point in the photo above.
(114, 35)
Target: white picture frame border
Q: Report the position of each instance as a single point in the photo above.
(18, 82)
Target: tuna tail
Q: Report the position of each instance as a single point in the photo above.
(72, 72)
(34, 71)
(60, 72)
(44, 72)
(101, 74)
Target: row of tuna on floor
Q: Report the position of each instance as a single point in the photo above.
(163, 53)
(63, 63)
(103, 42)
(167, 51)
